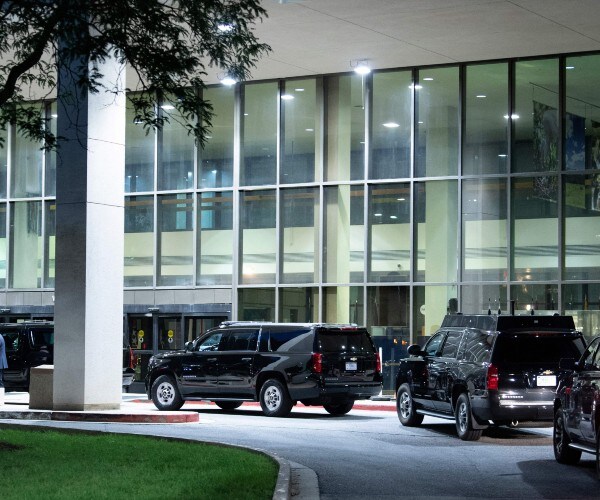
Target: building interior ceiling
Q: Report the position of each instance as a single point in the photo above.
(312, 37)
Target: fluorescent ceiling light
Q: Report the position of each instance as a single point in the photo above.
(391, 125)
(228, 81)
(481, 96)
(513, 117)
(167, 107)
(570, 67)
(224, 27)
(287, 97)
(428, 79)
(299, 90)
(416, 87)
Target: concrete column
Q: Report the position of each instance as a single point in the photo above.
(89, 244)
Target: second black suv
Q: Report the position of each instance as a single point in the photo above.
(276, 364)
(30, 344)
(484, 369)
(577, 408)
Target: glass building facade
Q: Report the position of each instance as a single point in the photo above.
(385, 200)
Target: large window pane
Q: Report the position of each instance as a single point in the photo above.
(175, 240)
(535, 116)
(437, 122)
(259, 241)
(300, 223)
(216, 158)
(484, 230)
(345, 156)
(535, 228)
(259, 134)
(139, 241)
(50, 156)
(582, 122)
(430, 305)
(541, 299)
(479, 299)
(582, 227)
(582, 301)
(26, 244)
(3, 245)
(50, 244)
(389, 226)
(3, 161)
(391, 125)
(215, 238)
(139, 154)
(301, 128)
(344, 248)
(170, 335)
(343, 304)
(176, 151)
(256, 304)
(436, 221)
(27, 161)
(486, 123)
(298, 305)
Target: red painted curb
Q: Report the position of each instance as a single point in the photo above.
(133, 418)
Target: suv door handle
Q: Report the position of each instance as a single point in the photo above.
(211, 359)
(246, 359)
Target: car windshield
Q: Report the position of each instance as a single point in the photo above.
(536, 348)
(342, 341)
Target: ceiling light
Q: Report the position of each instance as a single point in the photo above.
(393, 217)
(299, 90)
(167, 107)
(378, 215)
(225, 27)
(481, 96)
(391, 125)
(360, 66)
(428, 79)
(570, 67)
(228, 80)
(512, 117)
(310, 129)
(287, 97)
(416, 87)
(502, 156)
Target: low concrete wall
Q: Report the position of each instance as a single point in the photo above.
(41, 391)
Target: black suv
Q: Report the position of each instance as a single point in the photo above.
(276, 364)
(30, 344)
(577, 408)
(485, 369)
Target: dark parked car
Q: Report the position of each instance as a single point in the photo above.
(276, 364)
(30, 344)
(482, 370)
(577, 408)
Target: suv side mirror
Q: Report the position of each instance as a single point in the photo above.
(415, 350)
(567, 364)
(189, 345)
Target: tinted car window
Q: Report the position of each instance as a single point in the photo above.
(210, 343)
(433, 346)
(478, 346)
(536, 348)
(11, 341)
(344, 341)
(240, 340)
(589, 362)
(299, 339)
(42, 338)
(451, 345)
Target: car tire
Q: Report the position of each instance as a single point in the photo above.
(405, 408)
(560, 441)
(464, 419)
(274, 399)
(339, 409)
(228, 405)
(165, 394)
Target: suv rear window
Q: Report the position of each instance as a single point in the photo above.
(42, 338)
(538, 347)
(344, 341)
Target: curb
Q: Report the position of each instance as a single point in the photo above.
(180, 417)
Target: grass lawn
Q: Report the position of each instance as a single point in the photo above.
(50, 464)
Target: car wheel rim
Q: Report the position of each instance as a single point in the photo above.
(272, 398)
(165, 393)
(462, 417)
(405, 405)
(558, 435)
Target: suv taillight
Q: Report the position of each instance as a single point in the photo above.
(492, 378)
(378, 364)
(317, 362)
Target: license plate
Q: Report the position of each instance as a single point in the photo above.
(546, 380)
(351, 366)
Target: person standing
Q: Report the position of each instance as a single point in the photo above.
(3, 365)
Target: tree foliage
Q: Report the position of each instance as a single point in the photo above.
(169, 44)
